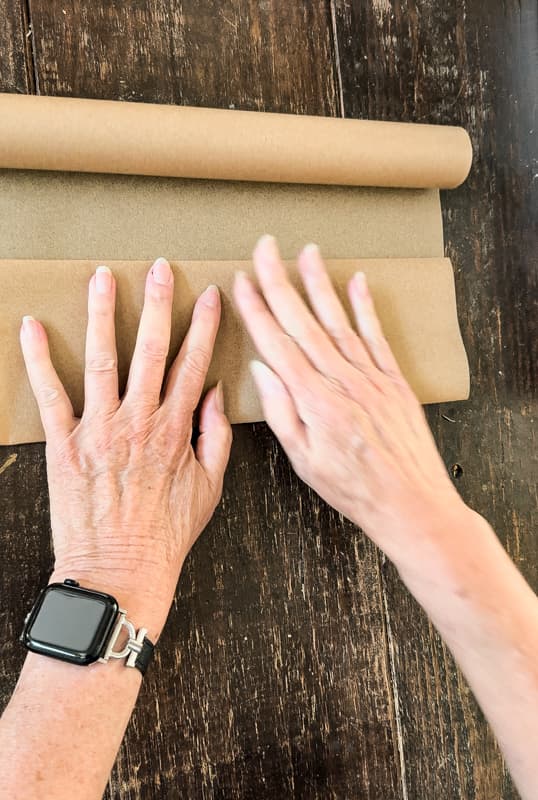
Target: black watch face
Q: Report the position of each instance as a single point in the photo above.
(70, 623)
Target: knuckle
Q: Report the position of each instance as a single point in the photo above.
(154, 350)
(366, 375)
(377, 341)
(175, 429)
(138, 434)
(158, 293)
(66, 454)
(197, 361)
(393, 374)
(48, 395)
(101, 363)
(340, 332)
(319, 402)
(168, 440)
(336, 386)
(101, 310)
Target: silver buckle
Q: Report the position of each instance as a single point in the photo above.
(133, 645)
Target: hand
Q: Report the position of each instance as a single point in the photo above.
(128, 494)
(337, 401)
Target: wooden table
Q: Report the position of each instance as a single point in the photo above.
(295, 664)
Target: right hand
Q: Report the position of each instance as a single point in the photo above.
(340, 406)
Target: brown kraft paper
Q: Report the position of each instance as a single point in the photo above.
(414, 297)
(84, 182)
(67, 134)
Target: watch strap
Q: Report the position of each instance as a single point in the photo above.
(145, 656)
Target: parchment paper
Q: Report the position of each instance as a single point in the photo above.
(415, 300)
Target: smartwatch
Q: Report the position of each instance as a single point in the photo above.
(82, 626)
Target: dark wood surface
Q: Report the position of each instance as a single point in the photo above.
(294, 663)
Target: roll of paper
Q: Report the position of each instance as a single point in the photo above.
(415, 299)
(84, 182)
(66, 134)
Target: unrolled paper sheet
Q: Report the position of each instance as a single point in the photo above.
(415, 300)
(104, 181)
(60, 215)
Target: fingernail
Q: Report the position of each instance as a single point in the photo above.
(311, 249)
(161, 272)
(267, 244)
(219, 397)
(103, 280)
(27, 323)
(29, 328)
(211, 296)
(361, 284)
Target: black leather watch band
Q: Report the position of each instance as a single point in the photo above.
(144, 657)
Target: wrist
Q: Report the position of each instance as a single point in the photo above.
(466, 582)
(444, 542)
(147, 605)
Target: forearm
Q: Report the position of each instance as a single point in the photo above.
(62, 729)
(488, 616)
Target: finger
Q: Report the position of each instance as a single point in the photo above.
(188, 373)
(153, 339)
(278, 408)
(274, 345)
(370, 328)
(54, 405)
(215, 440)
(101, 373)
(291, 312)
(329, 310)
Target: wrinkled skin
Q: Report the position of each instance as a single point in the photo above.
(128, 494)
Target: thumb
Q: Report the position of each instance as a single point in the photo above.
(215, 440)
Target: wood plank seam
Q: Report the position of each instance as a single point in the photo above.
(333, 28)
(392, 683)
(29, 48)
(389, 640)
(389, 652)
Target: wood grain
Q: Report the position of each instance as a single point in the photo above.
(294, 663)
(16, 66)
(237, 53)
(477, 67)
(273, 675)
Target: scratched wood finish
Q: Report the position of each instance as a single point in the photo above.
(24, 518)
(254, 55)
(16, 69)
(272, 678)
(294, 663)
(477, 66)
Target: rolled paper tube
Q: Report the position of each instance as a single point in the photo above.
(75, 135)
(414, 297)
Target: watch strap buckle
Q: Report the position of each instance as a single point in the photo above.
(137, 649)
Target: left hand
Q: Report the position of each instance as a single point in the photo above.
(128, 493)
